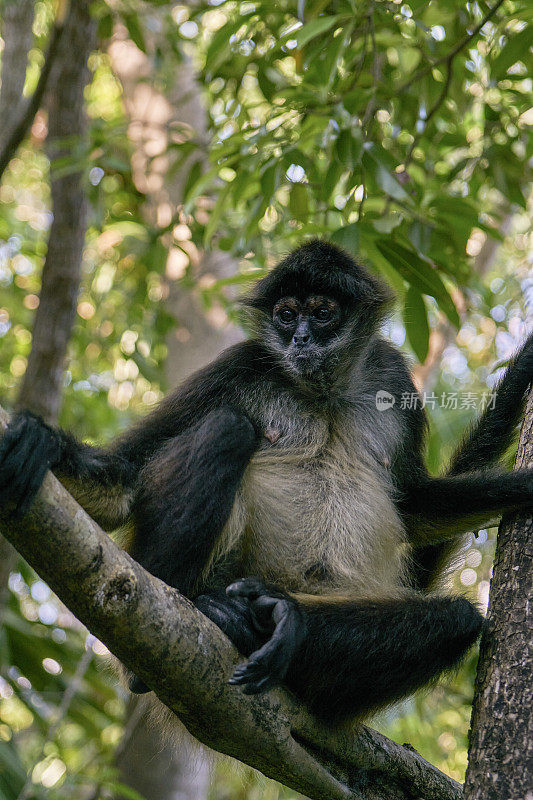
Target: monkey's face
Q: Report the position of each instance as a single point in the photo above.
(305, 333)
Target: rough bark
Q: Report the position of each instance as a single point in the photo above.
(186, 659)
(17, 34)
(501, 739)
(43, 381)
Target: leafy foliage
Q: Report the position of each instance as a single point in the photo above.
(399, 130)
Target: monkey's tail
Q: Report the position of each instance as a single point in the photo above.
(491, 434)
(482, 446)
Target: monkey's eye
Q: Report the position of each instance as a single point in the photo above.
(322, 314)
(287, 314)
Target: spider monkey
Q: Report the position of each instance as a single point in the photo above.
(274, 463)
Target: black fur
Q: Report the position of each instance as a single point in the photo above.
(186, 493)
(184, 464)
(359, 656)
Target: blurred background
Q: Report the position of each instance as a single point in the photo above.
(178, 151)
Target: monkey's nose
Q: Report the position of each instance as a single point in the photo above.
(300, 338)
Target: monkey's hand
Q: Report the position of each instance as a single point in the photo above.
(278, 616)
(28, 449)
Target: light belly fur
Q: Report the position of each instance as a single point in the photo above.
(318, 524)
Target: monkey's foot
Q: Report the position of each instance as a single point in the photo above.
(234, 617)
(277, 614)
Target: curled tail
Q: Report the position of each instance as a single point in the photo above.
(492, 433)
(482, 446)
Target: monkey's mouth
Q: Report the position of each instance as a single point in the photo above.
(304, 362)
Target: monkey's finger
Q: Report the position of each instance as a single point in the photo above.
(30, 489)
(251, 588)
(254, 677)
(247, 673)
(21, 441)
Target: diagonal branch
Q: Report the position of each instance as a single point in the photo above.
(165, 640)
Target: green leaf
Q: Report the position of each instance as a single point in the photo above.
(267, 86)
(420, 274)
(135, 31)
(349, 147)
(313, 28)
(105, 26)
(515, 50)
(216, 213)
(348, 238)
(219, 49)
(331, 179)
(120, 790)
(416, 322)
(269, 181)
(298, 202)
(193, 177)
(373, 161)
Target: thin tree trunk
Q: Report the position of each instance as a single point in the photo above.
(43, 381)
(157, 769)
(500, 763)
(17, 34)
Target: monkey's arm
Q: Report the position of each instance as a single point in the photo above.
(439, 509)
(101, 480)
(186, 493)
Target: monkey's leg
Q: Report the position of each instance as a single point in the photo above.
(437, 509)
(360, 656)
(353, 657)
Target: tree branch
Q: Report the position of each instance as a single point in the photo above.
(27, 114)
(448, 58)
(186, 659)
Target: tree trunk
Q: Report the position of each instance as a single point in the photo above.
(501, 738)
(17, 34)
(43, 382)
